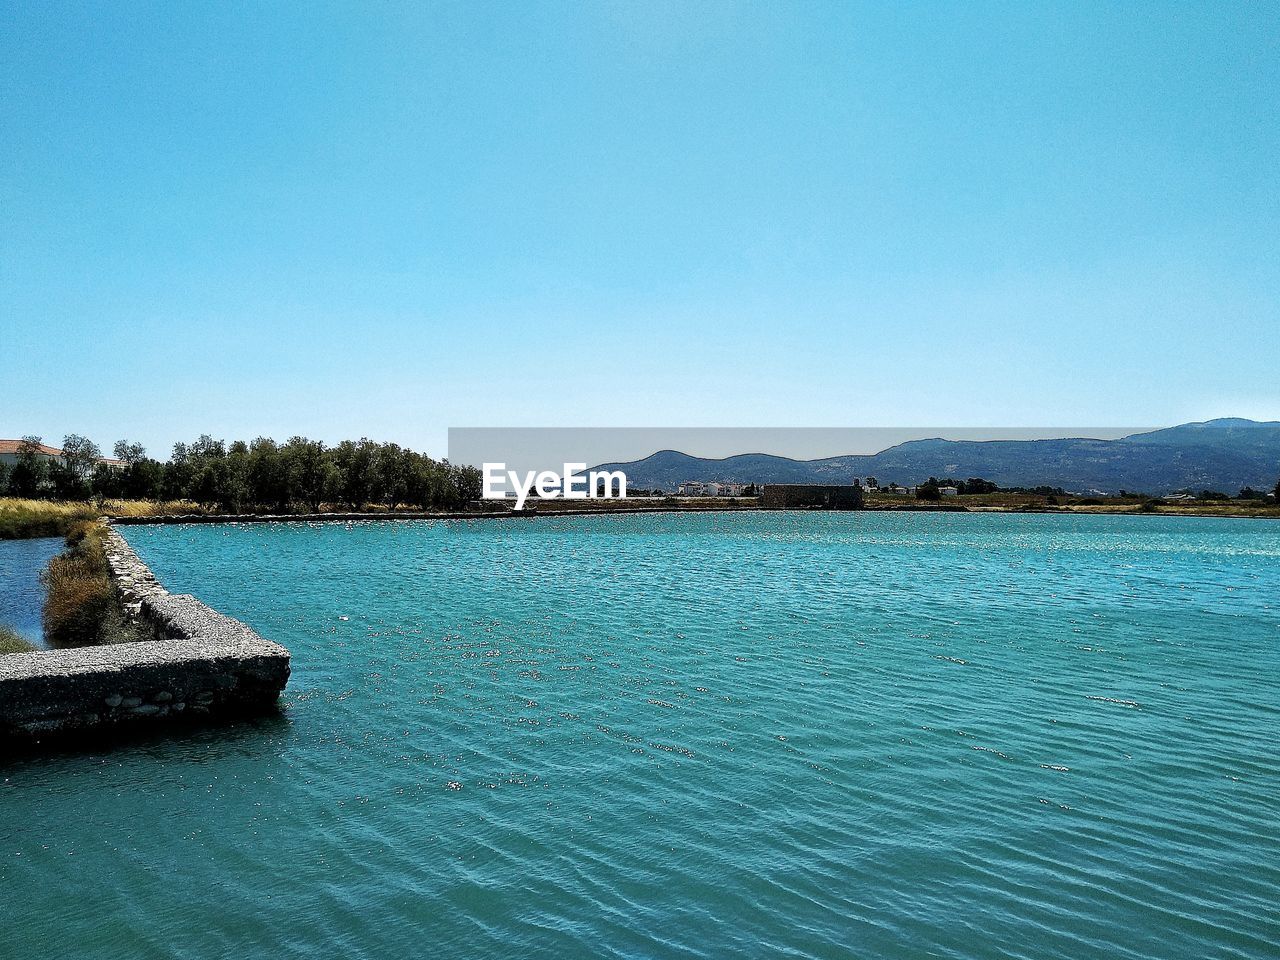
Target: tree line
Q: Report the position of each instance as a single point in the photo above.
(244, 476)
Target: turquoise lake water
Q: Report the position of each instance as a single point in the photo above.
(757, 735)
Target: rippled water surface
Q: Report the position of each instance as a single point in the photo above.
(797, 735)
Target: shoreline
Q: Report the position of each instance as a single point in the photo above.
(28, 519)
(1125, 510)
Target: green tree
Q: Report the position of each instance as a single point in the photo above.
(107, 481)
(80, 455)
(143, 480)
(468, 483)
(354, 460)
(30, 474)
(312, 475)
(977, 485)
(206, 488)
(268, 475)
(179, 474)
(69, 474)
(929, 490)
(130, 453)
(206, 448)
(233, 493)
(391, 474)
(66, 484)
(439, 489)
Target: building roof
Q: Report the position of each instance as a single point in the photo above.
(11, 446)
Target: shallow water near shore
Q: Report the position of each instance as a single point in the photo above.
(805, 735)
(21, 593)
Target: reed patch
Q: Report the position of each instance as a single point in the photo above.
(81, 606)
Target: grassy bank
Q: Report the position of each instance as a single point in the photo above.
(81, 607)
(41, 518)
(21, 519)
(1011, 502)
(10, 642)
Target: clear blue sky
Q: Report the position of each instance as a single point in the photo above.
(347, 219)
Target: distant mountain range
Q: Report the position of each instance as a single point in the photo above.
(1223, 455)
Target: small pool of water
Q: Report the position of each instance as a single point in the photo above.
(21, 593)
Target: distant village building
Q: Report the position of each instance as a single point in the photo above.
(894, 490)
(811, 496)
(9, 455)
(9, 452)
(711, 488)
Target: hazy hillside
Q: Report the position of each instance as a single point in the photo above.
(1218, 455)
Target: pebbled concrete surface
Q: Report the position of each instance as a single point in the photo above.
(202, 664)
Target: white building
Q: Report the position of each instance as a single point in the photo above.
(9, 452)
(9, 455)
(711, 488)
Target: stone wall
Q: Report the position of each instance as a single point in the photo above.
(801, 496)
(202, 664)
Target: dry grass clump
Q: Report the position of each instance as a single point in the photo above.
(21, 518)
(81, 607)
(10, 642)
(149, 508)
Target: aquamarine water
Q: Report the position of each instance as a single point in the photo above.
(757, 735)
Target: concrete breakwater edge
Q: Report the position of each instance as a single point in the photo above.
(201, 664)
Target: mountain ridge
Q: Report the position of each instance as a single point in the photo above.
(1224, 454)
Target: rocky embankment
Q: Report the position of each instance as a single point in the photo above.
(201, 664)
